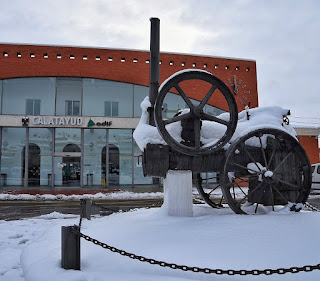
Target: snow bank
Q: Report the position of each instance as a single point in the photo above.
(210, 239)
(74, 197)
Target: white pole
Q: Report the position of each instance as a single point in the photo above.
(178, 193)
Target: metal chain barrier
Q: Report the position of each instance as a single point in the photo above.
(306, 268)
(309, 207)
(81, 213)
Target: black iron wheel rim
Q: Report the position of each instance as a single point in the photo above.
(196, 112)
(207, 193)
(272, 184)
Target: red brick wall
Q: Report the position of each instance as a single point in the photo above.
(133, 70)
(310, 144)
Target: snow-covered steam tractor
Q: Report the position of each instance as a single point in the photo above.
(250, 160)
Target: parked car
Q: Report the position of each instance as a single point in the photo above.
(315, 168)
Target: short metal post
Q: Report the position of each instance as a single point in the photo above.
(70, 247)
(86, 208)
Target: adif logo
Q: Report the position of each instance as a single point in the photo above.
(105, 123)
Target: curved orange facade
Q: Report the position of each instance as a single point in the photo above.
(124, 66)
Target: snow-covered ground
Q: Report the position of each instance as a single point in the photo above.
(30, 248)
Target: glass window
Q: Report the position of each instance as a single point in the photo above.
(107, 98)
(23, 95)
(318, 170)
(12, 159)
(111, 108)
(140, 92)
(94, 170)
(72, 107)
(120, 158)
(115, 108)
(33, 107)
(40, 157)
(65, 137)
(69, 91)
(107, 108)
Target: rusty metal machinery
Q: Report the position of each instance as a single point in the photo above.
(254, 173)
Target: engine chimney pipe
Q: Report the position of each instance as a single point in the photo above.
(154, 65)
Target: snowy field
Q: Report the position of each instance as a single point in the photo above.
(30, 248)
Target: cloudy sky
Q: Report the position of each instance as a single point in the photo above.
(281, 35)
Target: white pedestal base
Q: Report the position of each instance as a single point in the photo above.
(178, 193)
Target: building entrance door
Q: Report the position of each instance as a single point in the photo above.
(70, 164)
(71, 171)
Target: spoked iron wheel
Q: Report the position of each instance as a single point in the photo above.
(196, 114)
(209, 188)
(265, 170)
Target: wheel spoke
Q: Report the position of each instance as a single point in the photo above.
(296, 187)
(256, 188)
(237, 184)
(197, 133)
(177, 118)
(260, 196)
(251, 158)
(283, 160)
(214, 189)
(207, 97)
(208, 117)
(263, 153)
(220, 203)
(211, 178)
(245, 168)
(184, 96)
(271, 157)
(241, 180)
(234, 193)
(276, 189)
(242, 191)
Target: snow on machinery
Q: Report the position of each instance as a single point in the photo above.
(252, 160)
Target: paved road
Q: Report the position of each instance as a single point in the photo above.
(17, 209)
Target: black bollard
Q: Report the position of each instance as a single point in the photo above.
(85, 208)
(70, 248)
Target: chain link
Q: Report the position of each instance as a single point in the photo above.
(81, 213)
(309, 207)
(306, 268)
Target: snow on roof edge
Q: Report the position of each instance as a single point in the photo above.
(124, 49)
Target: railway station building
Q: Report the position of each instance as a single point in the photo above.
(71, 111)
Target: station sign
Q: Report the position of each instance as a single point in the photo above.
(57, 121)
(49, 121)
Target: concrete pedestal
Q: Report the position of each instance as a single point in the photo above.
(178, 193)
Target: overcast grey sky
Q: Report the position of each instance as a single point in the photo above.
(281, 35)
